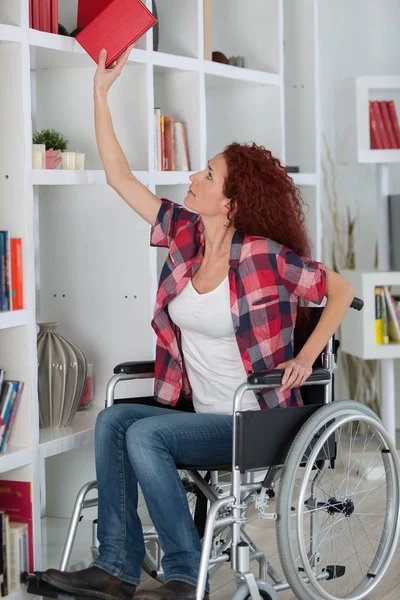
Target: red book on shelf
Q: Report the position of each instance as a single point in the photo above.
(376, 142)
(388, 124)
(116, 27)
(17, 300)
(377, 126)
(381, 124)
(394, 120)
(16, 502)
(54, 16)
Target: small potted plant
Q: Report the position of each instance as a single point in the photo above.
(55, 144)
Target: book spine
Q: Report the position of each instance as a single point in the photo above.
(381, 125)
(378, 318)
(169, 143)
(384, 316)
(376, 141)
(54, 16)
(162, 138)
(395, 122)
(46, 7)
(16, 274)
(388, 124)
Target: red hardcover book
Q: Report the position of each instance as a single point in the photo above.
(378, 141)
(54, 16)
(16, 502)
(89, 9)
(17, 296)
(116, 27)
(376, 106)
(388, 124)
(394, 120)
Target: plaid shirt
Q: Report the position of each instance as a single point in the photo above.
(265, 281)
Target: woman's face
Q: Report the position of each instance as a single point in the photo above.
(205, 195)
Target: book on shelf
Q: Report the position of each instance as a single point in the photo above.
(43, 15)
(11, 291)
(118, 25)
(387, 317)
(170, 143)
(10, 397)
(384, 125)
(16, 534)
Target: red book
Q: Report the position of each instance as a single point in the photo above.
(16, 502)
(88, 10)
(376, 130)
(381, 124)
(54, 16)
(116, 27)
(169, 143)
(17, 299)
(394, 120)
(46, 15)
(388, 124)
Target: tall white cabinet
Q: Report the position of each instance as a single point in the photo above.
(87, 259)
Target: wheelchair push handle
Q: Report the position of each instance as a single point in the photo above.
(357, 303)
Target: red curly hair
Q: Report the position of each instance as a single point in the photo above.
(265, 201)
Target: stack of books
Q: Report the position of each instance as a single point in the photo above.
(387, 316)
(10, 396)
(43, 15)
(16, 539)
(170, 142)
(384, 125)
(11, 280)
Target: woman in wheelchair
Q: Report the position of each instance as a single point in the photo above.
(226, 306)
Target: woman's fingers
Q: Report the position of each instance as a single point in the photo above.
(102, 58)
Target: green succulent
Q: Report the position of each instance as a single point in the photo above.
(51, 138)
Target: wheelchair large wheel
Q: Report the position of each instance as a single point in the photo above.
(338, 504)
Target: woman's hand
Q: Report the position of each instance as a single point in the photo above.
(104, 78)
(297, 370)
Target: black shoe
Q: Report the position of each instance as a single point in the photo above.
(90, 582)
(172, 590)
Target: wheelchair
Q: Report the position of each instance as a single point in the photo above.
(329, 467)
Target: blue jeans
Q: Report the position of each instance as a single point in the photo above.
(138, 444)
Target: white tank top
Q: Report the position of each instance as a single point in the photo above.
(210, 351)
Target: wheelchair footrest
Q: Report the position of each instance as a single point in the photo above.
(38, 587)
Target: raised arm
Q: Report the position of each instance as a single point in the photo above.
(118, 174)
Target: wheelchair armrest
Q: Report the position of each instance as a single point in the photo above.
(274, 378)
(141, 367)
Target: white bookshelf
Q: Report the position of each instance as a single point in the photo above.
(87, 260)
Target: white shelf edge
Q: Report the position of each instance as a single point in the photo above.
(170, 177)
(79, 433)
(10, 33)
(52, 41)
(15, 457)
(71, 177)
(379, 156)
(13, 318)
(304, 178)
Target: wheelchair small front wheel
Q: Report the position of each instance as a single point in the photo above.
(342, 476)
(265, 589)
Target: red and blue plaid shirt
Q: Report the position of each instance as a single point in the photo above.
(265, 280)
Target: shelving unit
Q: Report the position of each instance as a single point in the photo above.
(353, 144)
(87, 260)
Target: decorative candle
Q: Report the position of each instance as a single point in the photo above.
(80, 161)
(38, 156)
(69, 160)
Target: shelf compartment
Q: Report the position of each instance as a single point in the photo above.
(352, 118)
(249, 29)
(10, 13)
(178, 27)
(357, 335)
(64, 101)
(235, 111)
(177, 93)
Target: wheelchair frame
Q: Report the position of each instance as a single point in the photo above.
(233, 507)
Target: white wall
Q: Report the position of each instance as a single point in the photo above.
(360, 37)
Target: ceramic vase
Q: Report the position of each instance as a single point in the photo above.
(62, 368)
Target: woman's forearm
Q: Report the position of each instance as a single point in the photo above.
(111, 154)
(340, 294)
